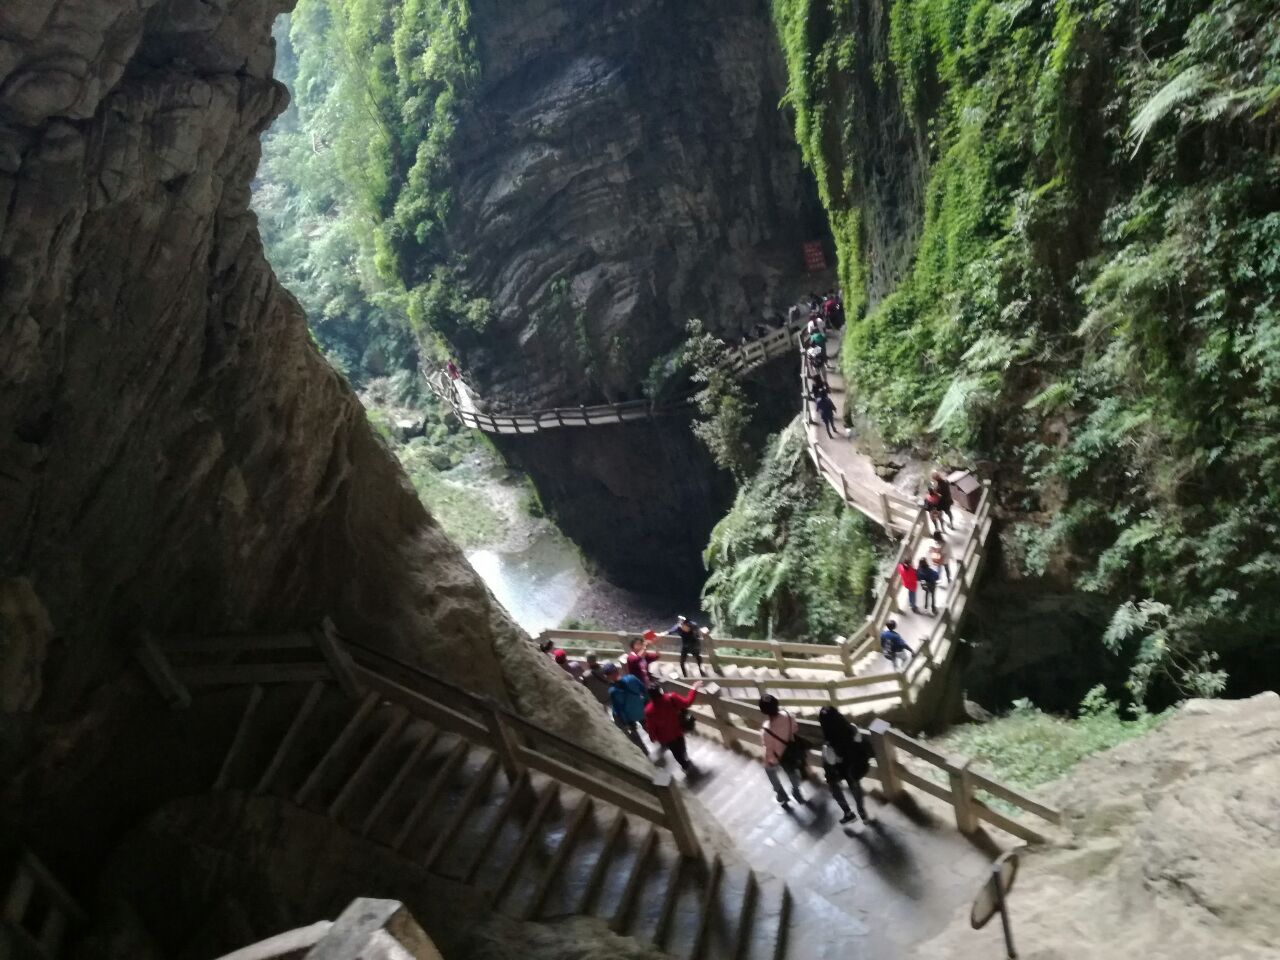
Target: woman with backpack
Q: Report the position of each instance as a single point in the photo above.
(784, 748)
(846, 755)
(664, 721)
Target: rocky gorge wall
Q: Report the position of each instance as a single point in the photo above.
(1169, 849)
(624, 166)
(174, 454)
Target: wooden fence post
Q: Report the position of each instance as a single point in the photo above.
(676, 815)
(728, 732)
(846, 656)
(157, 667)
(962, 797)
(888, 517)
(335, 654)
(715, 660)
(886, 758)
(831, 692)
(778, 658)
(505, 744)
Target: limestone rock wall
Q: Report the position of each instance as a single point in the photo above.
(174, 454)
(636, 151)
(625, 166)
(1171, 851)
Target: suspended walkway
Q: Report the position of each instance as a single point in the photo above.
(471, 410)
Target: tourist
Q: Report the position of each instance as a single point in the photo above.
(846, 755)
(933, 508)
(928, 578)
(627, 699)
(892, 644)
(639, 657)
(816, 359)
(833, 310)
(690, 642)
(778, 732)
(817, 386)
(818, 339)
(664, 720)
(594, 680)
(451, 368)
(562, 661)
(827, 411)
(909, 580)
(943, 486)
(793, 316)
(815, 325)
(547, 646)
(939, 556)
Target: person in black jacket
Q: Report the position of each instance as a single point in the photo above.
(846, 755)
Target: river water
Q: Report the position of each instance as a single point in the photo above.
(543, 582)
(539, 584)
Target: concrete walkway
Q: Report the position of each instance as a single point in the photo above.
(858, 892)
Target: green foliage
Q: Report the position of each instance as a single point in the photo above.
(723, 407)
(1094, 300)
(1026, 748)
(354, 188)
(789, 559)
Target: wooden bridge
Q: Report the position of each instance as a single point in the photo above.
(470, 409)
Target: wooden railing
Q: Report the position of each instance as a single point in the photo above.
(35, 904)
(522, 745)
(740, 360)
(889, 509)
(954, 780)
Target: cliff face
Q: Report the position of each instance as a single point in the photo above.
(624, 166)
(1171, 851)
(174, 454)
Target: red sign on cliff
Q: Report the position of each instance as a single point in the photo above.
(815, 261)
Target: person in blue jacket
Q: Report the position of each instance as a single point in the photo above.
(627, 698)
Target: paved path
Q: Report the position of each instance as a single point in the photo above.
(859, 892)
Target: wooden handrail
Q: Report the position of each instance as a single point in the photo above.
(494, 727)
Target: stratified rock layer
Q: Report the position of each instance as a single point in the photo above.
(174, 454)
(1172, 852)
(624, 166)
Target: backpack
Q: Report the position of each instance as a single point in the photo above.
(794, 752)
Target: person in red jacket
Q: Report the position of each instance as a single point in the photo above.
(909, 580)
(662, 722)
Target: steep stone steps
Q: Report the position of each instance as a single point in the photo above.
(537, 848)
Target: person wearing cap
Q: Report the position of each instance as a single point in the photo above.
(562, 661)
(627, 698)
(892, 644)
(594, 680)
(690, 641)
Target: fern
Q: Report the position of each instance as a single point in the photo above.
(1191, 82)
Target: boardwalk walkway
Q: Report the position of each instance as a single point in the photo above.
(470, 409)
(857, 892)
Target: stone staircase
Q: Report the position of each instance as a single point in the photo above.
(537, 848)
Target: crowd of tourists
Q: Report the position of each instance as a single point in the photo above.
(633, 692)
